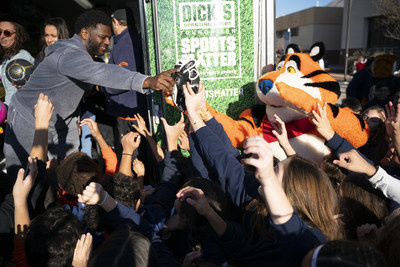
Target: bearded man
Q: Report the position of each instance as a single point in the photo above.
(67, 71)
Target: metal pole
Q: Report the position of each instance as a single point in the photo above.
(270, 28)
(147, 70)
(153, 169)
(347, 40)
(158, 52)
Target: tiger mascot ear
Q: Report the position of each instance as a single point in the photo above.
(317, 51)
(292, 48)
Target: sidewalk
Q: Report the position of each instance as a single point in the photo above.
(337, 73)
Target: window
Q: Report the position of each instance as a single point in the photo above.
(294, 31)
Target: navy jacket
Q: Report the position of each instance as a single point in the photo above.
(158, 205)
(292, 240)
(215, 158)
(340, 145)
(127, 52)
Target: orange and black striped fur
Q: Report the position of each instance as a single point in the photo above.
(292, 92)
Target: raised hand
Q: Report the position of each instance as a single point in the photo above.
(173, 132)
(281, 134)
(23, 185)
(92, 127)
(184, 139)
(196, 198)
(354, 162)
(322, 123)
(392, 121)
(82, 251)
(271, 190)
(141, 127)
(93, 194)
(130, 142)
(261, 158)
(138, 167)
(194, 102)
(43, 111)
(162, 81)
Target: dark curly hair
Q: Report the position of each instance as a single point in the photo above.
(52, 237)
(90, 19)
(21, 36)
(120, 187)
(96, 219)
(75, 172)
(123, 188)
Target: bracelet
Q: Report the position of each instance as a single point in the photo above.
(197, 122)
(104, 200)
(127, 154)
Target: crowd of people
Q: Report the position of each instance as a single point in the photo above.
(61, 205)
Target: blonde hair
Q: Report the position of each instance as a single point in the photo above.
(311, 193)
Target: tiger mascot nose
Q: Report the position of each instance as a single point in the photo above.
(265, 86)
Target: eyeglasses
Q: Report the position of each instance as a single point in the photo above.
(7, 33)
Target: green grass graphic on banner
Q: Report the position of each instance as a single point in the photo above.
(219, 36)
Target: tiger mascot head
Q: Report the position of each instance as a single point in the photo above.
(299, 85)
(302, 73)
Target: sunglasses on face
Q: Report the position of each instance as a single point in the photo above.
(7, 33)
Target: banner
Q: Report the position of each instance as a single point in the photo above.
(219, 35)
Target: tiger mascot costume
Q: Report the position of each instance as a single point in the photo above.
(292, 92)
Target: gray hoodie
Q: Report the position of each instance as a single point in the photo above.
(65, 73)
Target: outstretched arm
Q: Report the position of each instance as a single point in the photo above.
(281, 134)
(164, 193)
(196, 198)
(130, 142)
(173, 132)
(22, 187)
(220, 162)
(379, 179)
(334, 141)
(322, 123)
(108, 154)
(162, 81)
(277, 203)
(43, 112)
(95, 132)
(142, 129)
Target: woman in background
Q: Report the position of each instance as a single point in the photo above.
(12, 38)
(52, 30)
